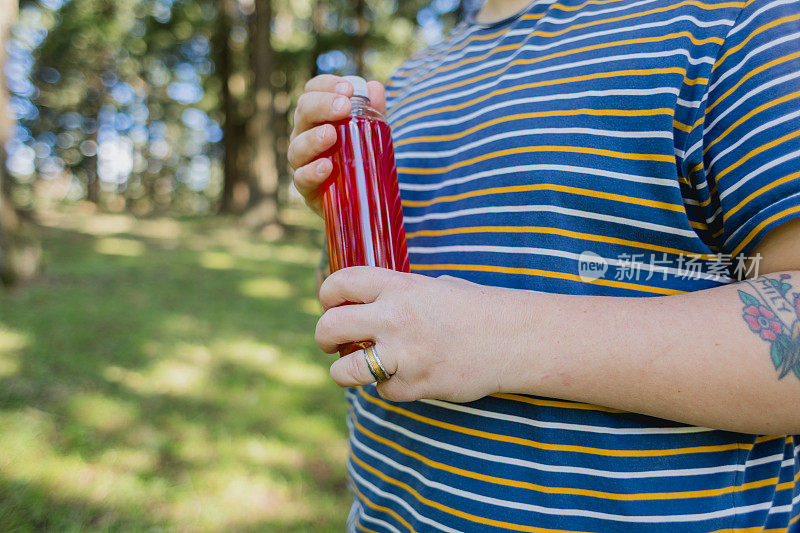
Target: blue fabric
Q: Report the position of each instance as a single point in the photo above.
(658, 138)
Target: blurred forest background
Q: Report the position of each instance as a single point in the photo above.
(157, 363)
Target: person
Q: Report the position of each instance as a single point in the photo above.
(584, 343)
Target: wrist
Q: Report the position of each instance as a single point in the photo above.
(541, 353)
(519, 340)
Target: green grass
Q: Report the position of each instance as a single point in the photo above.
(163, 376)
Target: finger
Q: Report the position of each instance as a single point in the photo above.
(377, 96)
(352, 370)
(329, 83)
(397, 390)
(345, 324)
(318, 107)
(354, 284)
(308, 145)
(309, 178)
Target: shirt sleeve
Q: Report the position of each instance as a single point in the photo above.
(751, 133)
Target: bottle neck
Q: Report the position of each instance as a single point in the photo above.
(358, 105)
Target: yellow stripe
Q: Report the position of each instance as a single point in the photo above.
(759, 192)
(449, 510)
(599, 75)
(793, 520)
(547, 274)
(473, 38)
(524, 62)
(381, 508)
(361, 527)
(538, 114)
(559, 447)
(560, 232)
(789, 484)
(562, 7)
(554, 403)
(683, 127)
(755, 529)
(546, 187)
(785, 213)
(533, 149)
(445, 51)
(615, 496)
(750, 74)
(695, 3)
(754, 152)
(755, 32)
(751, 114)
(496, 50)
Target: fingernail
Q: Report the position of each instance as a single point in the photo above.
(339, 103)
(342, 87)
(321, 131)
(322, 167)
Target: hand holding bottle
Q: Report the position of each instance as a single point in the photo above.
(327, 99)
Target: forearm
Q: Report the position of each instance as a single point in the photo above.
(691, 358)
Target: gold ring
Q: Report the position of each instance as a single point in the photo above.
(374, 363)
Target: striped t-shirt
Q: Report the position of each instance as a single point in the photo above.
(611, 147)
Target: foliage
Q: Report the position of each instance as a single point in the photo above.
(121, 102)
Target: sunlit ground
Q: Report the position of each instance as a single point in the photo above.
(164, 374)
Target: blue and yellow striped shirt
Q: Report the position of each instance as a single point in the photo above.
(614, 147)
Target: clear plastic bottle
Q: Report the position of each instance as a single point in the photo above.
(361, 198)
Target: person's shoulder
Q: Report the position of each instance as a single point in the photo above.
(406, 72)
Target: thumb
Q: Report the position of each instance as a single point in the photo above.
(377, 96)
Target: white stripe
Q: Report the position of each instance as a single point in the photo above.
(749, 95)
(633, 266)
(414, 62)
(535, 131)
(613, 93)
(733, 70)
(555, 510)
(528, 75)
(729, 109)
(561, 469)
(366, 518)
(691, 104)
(743, 24)
(785, 508)
(562, 426)
(588, 171)
(405, 110)
(780, 120)
(735, 235)
(757, 173)
(561, 42)
(551, 209)
(424, 519)
(508, 61)
(454, 58)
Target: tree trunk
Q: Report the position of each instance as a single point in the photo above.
(317, 28)
(92, 178)
(231, 200)
(19, 259)
(281, 127)
(360, 40)
(263, 209)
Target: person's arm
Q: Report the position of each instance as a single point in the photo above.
(696, 358)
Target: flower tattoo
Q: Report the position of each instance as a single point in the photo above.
(773, 312)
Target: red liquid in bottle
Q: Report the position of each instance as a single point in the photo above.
(361, 199)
